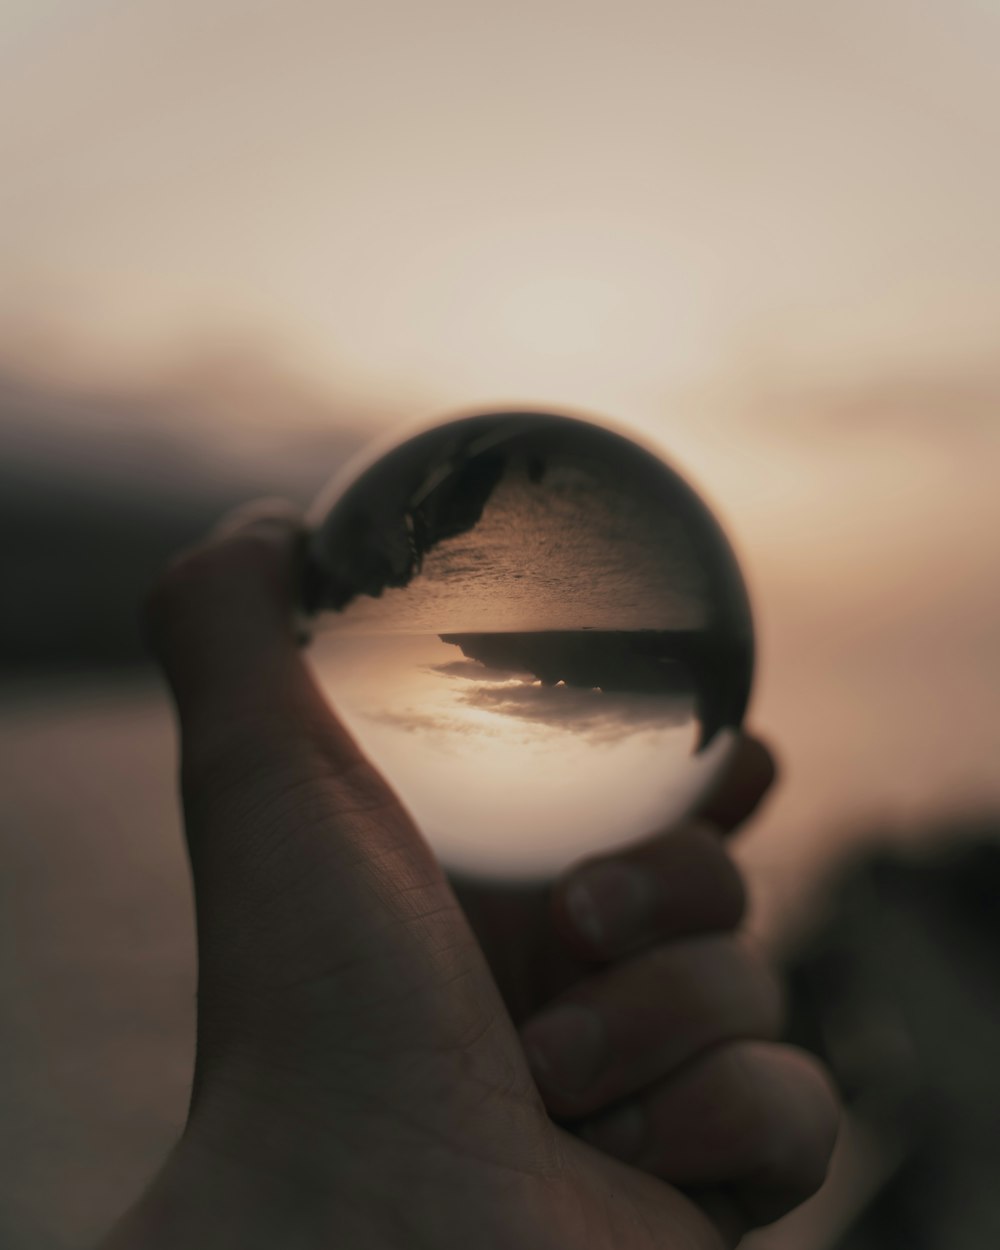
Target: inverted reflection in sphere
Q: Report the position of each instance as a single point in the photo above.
(537, 632)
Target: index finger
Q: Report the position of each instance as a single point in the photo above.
(674, 884)
(747, 777)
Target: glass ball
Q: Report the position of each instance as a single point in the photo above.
(535, 629)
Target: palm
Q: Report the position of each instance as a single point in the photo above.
(587, 1201)
(621, 1207)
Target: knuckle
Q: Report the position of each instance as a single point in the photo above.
(725, 980)
(765, 760)
(795, 1135)
(730, 895)
(770, 995)
(693, 848)
(695, 865)
(723, 881)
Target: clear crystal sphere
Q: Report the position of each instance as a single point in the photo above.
(535, 629)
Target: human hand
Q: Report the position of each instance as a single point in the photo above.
(359, 1079)
(644, 939)
(540, 938)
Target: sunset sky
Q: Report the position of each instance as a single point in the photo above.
(764, 234)
(240, 237)
(584, 203)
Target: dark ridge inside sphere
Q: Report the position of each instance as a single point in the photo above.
(535, 629)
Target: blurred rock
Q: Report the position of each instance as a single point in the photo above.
(899, 992)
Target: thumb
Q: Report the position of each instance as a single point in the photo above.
(220, 621)
(308, 872)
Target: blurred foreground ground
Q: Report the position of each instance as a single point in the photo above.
(97, 974)
(97, 980)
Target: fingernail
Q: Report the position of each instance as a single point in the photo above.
(612, 904)
(620, 1134)
(565, 1046)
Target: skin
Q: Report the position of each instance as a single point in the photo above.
(387, 1059)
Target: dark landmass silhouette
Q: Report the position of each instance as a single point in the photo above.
(437, 486)
(702, 664)
(97, 492)
(606, 716)
(381, 537)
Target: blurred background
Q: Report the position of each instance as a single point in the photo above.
(239, 240)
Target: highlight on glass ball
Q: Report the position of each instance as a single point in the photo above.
(536, 630)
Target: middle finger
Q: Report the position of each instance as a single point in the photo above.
(613, 1033)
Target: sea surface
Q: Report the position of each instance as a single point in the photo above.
(574, 552)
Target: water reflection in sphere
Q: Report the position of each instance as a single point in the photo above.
(535, 629)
